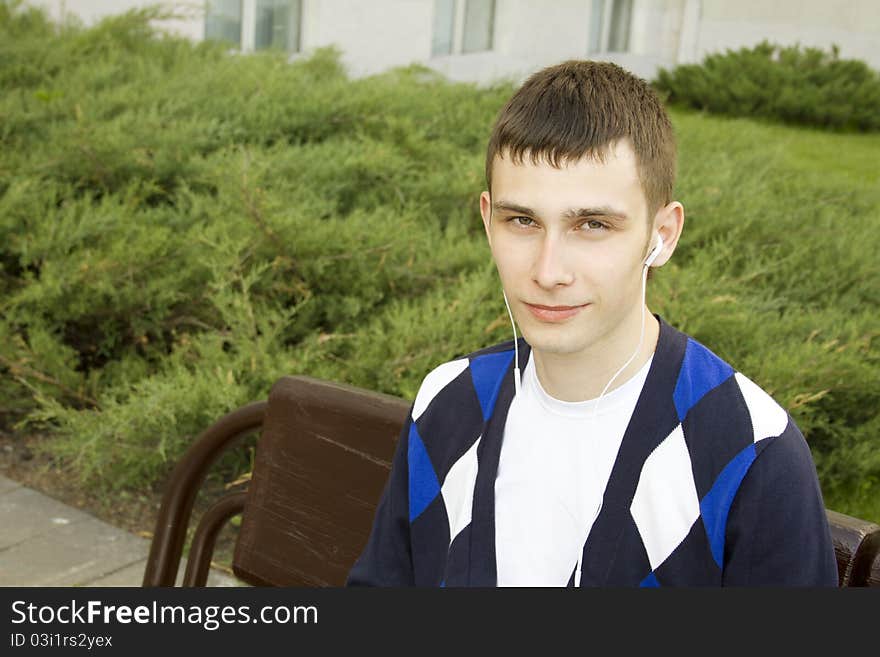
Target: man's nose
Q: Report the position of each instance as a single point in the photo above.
(551, 267)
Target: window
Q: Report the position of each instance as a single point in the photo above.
(462, 27)
(255, 24)
(610, 23)
(223, 21)
(479, 19)
(444, 26)
(618, 33)
(278, 25)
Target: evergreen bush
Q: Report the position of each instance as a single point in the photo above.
(791, 84)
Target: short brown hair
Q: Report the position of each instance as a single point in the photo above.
(580, 108)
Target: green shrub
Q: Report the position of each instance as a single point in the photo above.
(802, 86)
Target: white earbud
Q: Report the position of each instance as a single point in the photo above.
(652, 256)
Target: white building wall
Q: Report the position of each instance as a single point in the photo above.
(88, 11)
(653, 39)
(91, 11)
(854, 25)
(374, 35)
(528, 34)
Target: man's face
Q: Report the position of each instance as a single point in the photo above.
(570, 245)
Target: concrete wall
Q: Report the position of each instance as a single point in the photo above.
(529, 34)
(373, 35)
(854, 25)
(91, 11)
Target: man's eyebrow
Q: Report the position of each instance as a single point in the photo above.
(506, 206)
(572, 213)
(600, 211)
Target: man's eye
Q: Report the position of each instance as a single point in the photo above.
(594, 224)
(522, 221)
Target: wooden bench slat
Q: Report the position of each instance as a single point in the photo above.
(322, 462)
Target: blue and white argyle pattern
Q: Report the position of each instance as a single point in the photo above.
(685, 487)
(689, 481)
(443, 471)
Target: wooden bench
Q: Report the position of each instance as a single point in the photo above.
(322, 460)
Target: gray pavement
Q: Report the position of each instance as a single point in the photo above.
(44, 542)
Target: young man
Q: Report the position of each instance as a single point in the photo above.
(603, 447)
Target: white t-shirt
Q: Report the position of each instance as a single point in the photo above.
(552, 474)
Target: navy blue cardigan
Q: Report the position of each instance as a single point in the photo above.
(713, 483)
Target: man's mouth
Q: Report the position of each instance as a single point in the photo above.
(554, 313)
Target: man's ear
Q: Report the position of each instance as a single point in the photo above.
(486, 213)
(669, 222)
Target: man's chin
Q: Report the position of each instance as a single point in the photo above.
(558, 344)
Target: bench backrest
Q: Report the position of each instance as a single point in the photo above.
(857, 546)
(321, 463)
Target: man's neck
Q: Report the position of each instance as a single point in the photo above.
(583, 376)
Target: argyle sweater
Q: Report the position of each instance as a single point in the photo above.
(713, 485)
